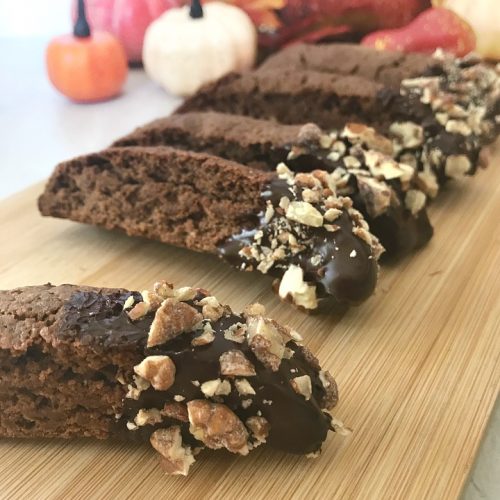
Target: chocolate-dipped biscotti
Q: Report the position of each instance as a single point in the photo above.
(391, 196)
(170, 366)
(292, 227)
(438, 123)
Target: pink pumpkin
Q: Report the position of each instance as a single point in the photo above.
(126, 19)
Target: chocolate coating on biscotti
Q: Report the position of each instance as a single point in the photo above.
(277, 391)
(264, 144)
(456, 105)
(195, 201)
(320, 249)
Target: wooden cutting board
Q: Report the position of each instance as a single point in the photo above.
(417, 365)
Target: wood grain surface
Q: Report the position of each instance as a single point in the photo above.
(417, 365)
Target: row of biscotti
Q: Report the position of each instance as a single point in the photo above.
(294, 227)
(288, 227)
(391, 196)
(439, 111)
(173, 367)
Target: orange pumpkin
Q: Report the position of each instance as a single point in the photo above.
(86, 67)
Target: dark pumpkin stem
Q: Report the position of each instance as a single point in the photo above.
(196, 10)
(81, 28)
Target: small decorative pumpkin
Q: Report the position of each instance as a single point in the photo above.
(126, 19)
(484, 17)
(187, 47)
(86, 67)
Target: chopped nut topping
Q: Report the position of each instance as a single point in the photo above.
(359, 133)
(293, 285)
(330, 398)
(376, 195)
(259, 427)
(129, 302)
(269, 212)
(415, 200)
(175, 457)
(284, 172)
(309, 133)
(332, 213)
(148, 417)
(185, 293)
(207, 337)
(458, 127)
(236, 332)
(304, 213)
(243, 387)
(235, 364)
(246, 403)
(302, 385)
(383, 167)
(427, 182)
(164, 289)
(138, 311)
(408, 134)
(217, 426)
(212, 308)
(141, 384)
(158, 370)
(457, 166)
(215, 387)
(177, 411)
(152, 299)
(266, 341)
(172, 319)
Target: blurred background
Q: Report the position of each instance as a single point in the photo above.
(53, 127)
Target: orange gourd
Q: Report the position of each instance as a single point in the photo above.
(84, 66)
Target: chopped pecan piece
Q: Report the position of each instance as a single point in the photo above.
(259, 427)
(216, 426)
(158, 370)
(172, 319)
(175, 457)
(177, 411)
(235, 364)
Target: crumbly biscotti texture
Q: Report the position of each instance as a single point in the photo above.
(291, 96)
(177, 197)
(246, 140)
(250, 218)
(387, 67)
(264, 144)
(172, 366)
(55, 383)
(451, 119)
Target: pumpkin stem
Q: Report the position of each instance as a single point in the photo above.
(196, 10)
(81, 28)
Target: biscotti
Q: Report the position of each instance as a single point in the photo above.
(170, 366)
(384, 66)
(392, 198)
(294, 228)
(438, 124)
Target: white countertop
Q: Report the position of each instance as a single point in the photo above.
(39, 128)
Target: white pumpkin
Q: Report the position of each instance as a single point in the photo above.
(186, 48)
(484, 17)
